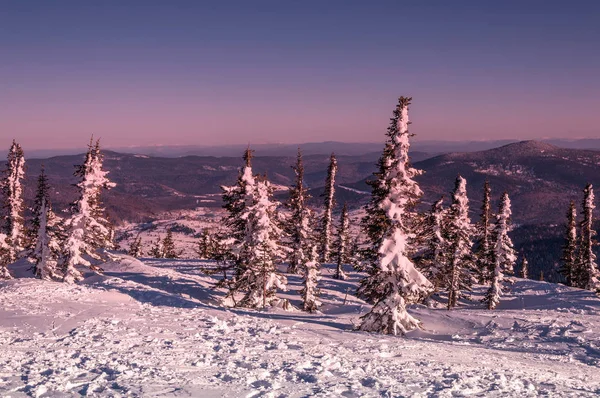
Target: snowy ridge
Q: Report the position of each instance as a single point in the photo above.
(153, 328)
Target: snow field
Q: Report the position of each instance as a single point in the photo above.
(157, 329)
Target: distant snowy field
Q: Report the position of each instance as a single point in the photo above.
(156, 329)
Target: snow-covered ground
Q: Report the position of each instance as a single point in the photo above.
(157, 329)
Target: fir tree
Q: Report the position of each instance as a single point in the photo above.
(4, 260)
(157, 250)
(376, 222)
(483, 254)
(459, 238)
(298, 225)
(310, 291)
(569, 254)
(12, 189)
(524, 268)
(168, 246)
(237, 198)
(49, 234)
(135, 248)
(258, 277)
(503, 253)
(342, 245)
(432, 261)
(327, 222)
(206, 245)
(88, 228)
(588, 276)
(396, 283)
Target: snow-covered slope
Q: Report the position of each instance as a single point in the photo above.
(157, 329)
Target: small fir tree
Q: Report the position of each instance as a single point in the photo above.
(310, 291)
(49, 234)
(342, 245)
(4, 257)
(12, 189)
(397, 282)
(168, 246)
(503, 253)
(569, 254)
(88, 228)
(459, 237)
(206, 245)
(327, 222)
(433, 262)
(136, 247)
(524, 268)
(483, 253)
(588, 275)
(298, 224)
(157, 250)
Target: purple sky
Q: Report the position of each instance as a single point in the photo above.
(195, 72)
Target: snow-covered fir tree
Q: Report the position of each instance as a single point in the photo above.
(524, 268)
(432, 261)
(459, 244)
(136, 247)
(237, 198)
(298, 225)
(168, 246)
(588, 276)
(503, 253)
(12, 189)
(483, 254)
(87, 228)
(376, 223)
(48, 233)
(342, 244)
(258, 277)
(310, 291)
(398, 283)
(327, 221)
(570, 255)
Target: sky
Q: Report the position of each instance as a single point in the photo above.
(281, 71)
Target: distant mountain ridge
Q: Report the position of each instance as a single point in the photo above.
(433, 147)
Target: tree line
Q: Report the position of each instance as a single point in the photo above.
(406, 256)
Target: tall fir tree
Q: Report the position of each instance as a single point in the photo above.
(327, 222)
(432, 261)
(258, 277)
(310, 291)
(236, 200)
(88, 228)
(588, 276)
(48, 233)
(483, 254)
(396, 282)
(298, 224)
(12, 189)
(503, 253)
(459, 237)
(342, 245)
(570, 253)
